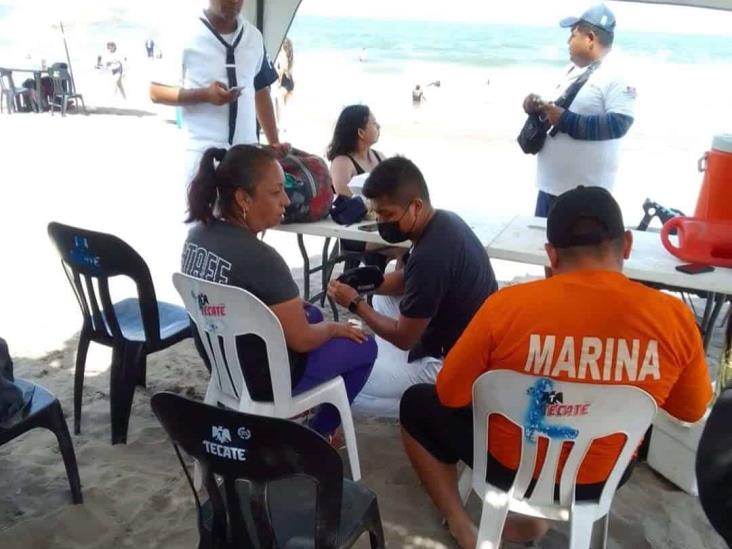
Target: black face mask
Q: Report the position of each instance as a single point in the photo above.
(390, 231)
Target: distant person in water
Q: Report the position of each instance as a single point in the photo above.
(362, 56)
(150, 48)
(417, 96)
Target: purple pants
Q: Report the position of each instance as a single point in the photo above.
(338, 357)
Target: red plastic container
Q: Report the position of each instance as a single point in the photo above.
(715, 197)
(700, 240)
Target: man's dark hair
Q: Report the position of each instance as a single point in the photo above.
(397, 179)
(587, 226)
(604, 37)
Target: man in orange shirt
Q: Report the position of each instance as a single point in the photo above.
(587, 323)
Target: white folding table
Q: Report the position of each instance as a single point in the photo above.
(523, 240)
(486, 230)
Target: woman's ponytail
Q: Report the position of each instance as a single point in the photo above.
(202, 190)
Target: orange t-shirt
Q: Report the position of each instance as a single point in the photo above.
(584, 326)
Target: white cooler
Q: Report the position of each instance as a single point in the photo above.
(672, 450)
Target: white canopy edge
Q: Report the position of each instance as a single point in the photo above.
(712, 4)
(274, 22)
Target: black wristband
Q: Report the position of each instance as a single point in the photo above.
(353, 305)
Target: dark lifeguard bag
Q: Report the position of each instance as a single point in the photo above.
(308, 186)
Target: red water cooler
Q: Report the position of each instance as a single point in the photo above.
(707, 237)
(715, 197)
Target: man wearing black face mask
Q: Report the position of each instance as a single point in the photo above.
(420, 311)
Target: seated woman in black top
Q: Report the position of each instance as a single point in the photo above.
(236, 195)
(351, 154)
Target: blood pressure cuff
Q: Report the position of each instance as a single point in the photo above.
(363, 279)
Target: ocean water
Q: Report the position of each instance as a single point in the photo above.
(390, 43)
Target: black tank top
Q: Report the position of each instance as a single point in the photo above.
(359, 169)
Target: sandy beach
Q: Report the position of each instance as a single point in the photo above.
(119, 170)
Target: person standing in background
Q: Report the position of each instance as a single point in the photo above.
(585, 148)
(113, 62)
(219, 74)
(285, 80)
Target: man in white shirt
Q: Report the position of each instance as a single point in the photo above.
(219, 74)
(583, 147)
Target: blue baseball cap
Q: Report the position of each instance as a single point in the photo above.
(598, 16)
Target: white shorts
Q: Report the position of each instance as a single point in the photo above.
(192, 162)
(392, 373)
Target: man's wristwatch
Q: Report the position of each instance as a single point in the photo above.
(353, 305)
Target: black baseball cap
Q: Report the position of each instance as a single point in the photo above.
(579, 204)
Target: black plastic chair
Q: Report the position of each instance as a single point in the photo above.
(42, 409)
(295, 496)
(134, 327)
(9, 93)
(714, 466)
(63, 88)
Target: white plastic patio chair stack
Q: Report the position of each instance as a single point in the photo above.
(609, 410)
(221, 313)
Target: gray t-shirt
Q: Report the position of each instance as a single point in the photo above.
(228, 254)
(225, 253)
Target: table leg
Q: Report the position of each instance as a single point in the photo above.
(305, 266)
(39, 92)
(333, 258)
(324, 271)
(717, 301)
(725, 364)
(326, 268)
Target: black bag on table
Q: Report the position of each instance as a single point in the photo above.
(347, 210)
(533, 134)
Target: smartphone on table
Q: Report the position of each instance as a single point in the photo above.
(694, 268)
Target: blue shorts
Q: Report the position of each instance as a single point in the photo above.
(544, 203)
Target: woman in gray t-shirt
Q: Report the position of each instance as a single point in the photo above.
(236, 195)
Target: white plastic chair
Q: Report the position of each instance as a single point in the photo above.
(610, 409)
(242, 313)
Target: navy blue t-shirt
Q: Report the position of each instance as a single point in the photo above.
(447, 278)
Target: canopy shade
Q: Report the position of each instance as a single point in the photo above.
(273, 18)
(714, 4)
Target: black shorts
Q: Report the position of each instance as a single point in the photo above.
(447, 434)
(369, 258)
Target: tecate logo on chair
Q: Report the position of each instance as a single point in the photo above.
(221, 447)
(207, 309)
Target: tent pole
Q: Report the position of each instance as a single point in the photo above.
(260, 15)
(68, 57)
